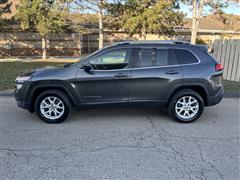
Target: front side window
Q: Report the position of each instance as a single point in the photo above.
(154, 57)
(115, 59)
(184, 56)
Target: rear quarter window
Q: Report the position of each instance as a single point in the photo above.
(184, 56)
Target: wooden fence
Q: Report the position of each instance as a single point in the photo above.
(23, 44)
(227, 52)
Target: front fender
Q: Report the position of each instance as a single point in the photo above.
(39, 86)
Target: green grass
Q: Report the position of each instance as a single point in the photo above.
(10, 70)
(231, 86)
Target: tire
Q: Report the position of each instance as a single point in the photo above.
(186, 106)
(53, 106)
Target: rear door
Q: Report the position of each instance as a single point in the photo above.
(155, 73)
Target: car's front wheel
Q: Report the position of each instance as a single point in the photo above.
(186, 106)
(53, 106)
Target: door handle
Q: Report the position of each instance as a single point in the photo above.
(172, 72)
(121, 75)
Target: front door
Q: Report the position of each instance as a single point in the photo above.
(108, 81)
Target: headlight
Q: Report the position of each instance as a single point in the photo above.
(21, 79)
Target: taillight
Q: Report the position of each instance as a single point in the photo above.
(219, 67)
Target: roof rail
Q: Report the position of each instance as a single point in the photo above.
(154, 42)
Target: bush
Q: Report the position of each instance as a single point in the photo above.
(200, 41)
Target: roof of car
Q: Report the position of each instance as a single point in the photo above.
(153, 42)
(158, 43)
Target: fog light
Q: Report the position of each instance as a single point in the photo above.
(19, 86)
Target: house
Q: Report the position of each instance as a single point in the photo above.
(13, 9)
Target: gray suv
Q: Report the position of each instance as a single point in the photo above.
(173, 74)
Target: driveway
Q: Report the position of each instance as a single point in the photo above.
(120, 144)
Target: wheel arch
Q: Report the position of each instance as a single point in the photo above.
(41, 88)
(201, 90)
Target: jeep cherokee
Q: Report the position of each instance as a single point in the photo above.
(175, 74)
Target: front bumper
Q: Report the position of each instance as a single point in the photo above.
(22, 97)
(24, 105)
(213, 100)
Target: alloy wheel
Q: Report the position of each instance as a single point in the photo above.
(187, 107)
(52, 107)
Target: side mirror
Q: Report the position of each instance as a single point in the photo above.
(87, 67)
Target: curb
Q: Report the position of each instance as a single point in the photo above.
(6, 93)
(232, 95)
(226, 95)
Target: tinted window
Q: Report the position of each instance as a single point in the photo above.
(115, 59)
(146, 58)
(162, 58)
(184, 56)
(154, 57)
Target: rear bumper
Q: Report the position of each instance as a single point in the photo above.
(213, 100)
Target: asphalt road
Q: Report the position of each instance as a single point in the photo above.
(120, 144)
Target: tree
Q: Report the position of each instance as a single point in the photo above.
(83, 23)
(99, 7)
(114, 15)
(149, 16)
(96, 6)
(214, 6)
(43, 16)
(4, 8)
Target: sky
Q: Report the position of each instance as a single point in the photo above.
(233, 8)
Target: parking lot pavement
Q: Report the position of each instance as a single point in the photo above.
(120, 144)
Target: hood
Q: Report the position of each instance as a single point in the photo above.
(52, 73)
(46, 71)
(42, 71)
(44, 68)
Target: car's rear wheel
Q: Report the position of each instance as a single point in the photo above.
(53, 106)
(186, 106)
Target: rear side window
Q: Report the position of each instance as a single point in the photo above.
(154, 57)
(162, 57)
(184, 56)
(146, 58)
